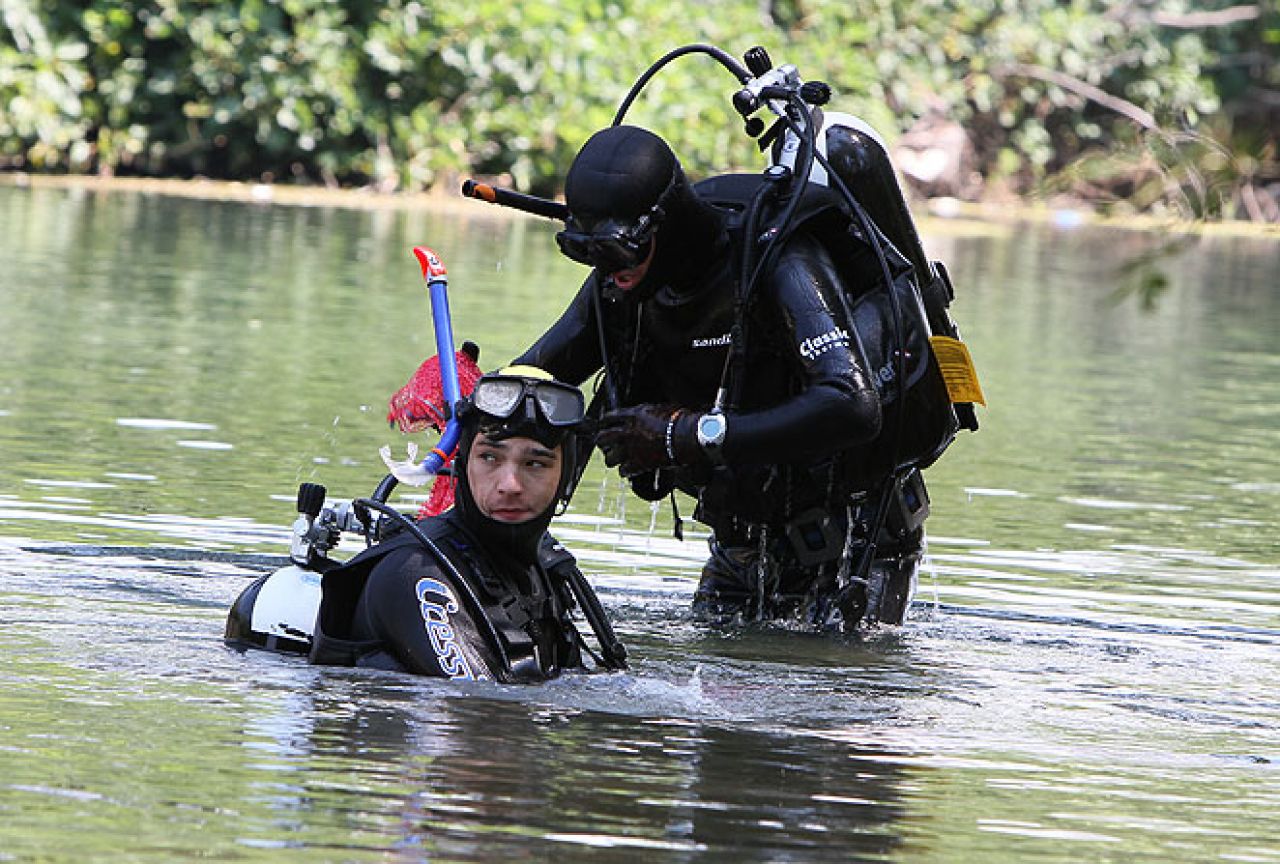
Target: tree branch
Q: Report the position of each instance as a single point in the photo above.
(1219, 18)
(1083, 88)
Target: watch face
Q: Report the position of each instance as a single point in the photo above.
(711, 429)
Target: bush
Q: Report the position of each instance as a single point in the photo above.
(412, 94)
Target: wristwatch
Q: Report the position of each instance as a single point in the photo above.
(711, 429)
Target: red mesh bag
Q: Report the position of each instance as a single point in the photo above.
(419, 405)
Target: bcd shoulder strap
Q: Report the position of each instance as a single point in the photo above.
(562, 568)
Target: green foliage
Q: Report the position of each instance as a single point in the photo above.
(415, 93)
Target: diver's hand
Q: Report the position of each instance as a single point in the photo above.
(645, 437)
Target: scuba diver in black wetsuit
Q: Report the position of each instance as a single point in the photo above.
(482, 591)
(779, 405)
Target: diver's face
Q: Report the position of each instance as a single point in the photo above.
(631, 277)
(515, 479)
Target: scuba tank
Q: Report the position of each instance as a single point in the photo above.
(833, 178)
(858, 156)
(278, 611)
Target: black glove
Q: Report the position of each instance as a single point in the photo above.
(645, 437)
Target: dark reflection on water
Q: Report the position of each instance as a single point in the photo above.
(491, 778)
(1089, 672)
(968, 732)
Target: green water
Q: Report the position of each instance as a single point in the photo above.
(1090, 672)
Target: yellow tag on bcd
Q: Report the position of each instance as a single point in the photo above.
(957, 369)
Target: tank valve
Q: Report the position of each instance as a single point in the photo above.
(757, 60)
(302, 544)
(311, 499)
(815, 92)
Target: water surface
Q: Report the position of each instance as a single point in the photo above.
(1089, 672)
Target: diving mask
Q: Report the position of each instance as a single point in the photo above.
(502, 394)
(612, 246)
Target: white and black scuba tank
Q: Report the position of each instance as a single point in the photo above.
(277, 611)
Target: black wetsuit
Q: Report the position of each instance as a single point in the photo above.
(808, 391)
(480, 616)
(808, 442)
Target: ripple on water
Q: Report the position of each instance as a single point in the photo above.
(161, 423)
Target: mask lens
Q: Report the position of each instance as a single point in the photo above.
(498, 397)
(575, 245)
(615, 253)
(561, 406)
(611, 246)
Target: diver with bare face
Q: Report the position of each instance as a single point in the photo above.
(482, 591)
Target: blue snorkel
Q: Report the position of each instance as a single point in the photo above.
(434, 272)
(436, 276)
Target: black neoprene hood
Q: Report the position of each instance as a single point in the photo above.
(618, 174)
